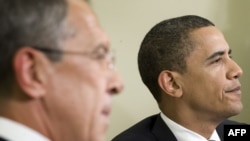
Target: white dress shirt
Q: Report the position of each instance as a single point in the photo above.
(14, 131)
(183, 134)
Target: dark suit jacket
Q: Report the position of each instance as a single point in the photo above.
(153, 128)
(1, 139)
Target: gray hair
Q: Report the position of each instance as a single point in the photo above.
(29, 23)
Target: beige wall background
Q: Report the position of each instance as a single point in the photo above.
(127, 21)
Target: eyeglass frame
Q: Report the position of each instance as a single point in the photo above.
(107, 55)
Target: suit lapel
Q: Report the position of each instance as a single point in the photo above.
(161, 131)
(220, 131)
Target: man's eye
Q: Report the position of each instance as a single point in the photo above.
(100, 54)
(217, 60)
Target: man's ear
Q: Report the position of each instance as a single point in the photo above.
(169, 84)
(29, 71)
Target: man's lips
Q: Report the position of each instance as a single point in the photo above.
(106, 111)
(235, 89)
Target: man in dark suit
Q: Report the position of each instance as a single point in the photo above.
(186, 64)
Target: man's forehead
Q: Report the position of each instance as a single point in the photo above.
(79, 13)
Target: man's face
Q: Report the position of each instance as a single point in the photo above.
(211, 86)
(82, 85)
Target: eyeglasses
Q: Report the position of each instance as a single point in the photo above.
(99, 54)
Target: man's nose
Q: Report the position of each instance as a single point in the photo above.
(116, 83)
(235, 71)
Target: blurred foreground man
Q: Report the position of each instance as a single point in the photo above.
(57, 72)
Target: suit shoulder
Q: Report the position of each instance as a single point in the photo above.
(140, 131)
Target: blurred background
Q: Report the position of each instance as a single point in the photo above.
(126, 23)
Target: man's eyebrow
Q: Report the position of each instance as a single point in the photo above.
(218, 53)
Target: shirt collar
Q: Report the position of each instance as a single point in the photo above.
(15, 131)
(183, 134)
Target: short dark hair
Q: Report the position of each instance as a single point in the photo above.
(165, 47)
(29, 23)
